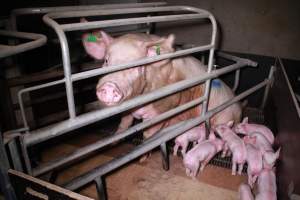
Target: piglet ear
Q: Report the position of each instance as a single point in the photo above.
(245, 120)
(230, 123)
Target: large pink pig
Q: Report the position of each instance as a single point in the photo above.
(196, 134)
(235, 144)
(266, 185)
(202, 153)
(245, 192)
(247, 128)
(117, 87)
(254, 160)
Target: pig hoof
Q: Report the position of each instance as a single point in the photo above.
(144, 158)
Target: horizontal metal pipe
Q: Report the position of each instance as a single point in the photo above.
(38, 40)
(129, 21)
(109, 69)
(161, 137)
(237, 59)
(55, 130)
(117, 11)
(46, 167)
(43, 10)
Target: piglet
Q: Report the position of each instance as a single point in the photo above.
(266, 185)
(235, 144)
(247, 128)
(196, 134)
(202, 153)
(261, 142)
(245, 192)
(254, 160)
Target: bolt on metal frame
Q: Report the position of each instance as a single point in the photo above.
(75, 122)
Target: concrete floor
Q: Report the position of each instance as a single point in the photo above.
(146, 180)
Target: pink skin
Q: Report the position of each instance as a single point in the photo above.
(266, 185)
(254, 160)
(236, 146)
(247, 128)
(117, 87)
(196, 134)
(261, 142)
(245, 192)
(98, 48)
(201, 154)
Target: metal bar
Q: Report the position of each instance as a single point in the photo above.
(5, 185)
(290, 87)
(165, 156)
(116, 11)
(236, 80)
(25, 154)
(84, 151)
(66, 65)
(42, 10)
(39, 40)
(55, 130)
(15, 156)
(101, 189)
(210, 67)
(267, 89)
(237, 59)
(37, 87)
(129, 21)
(113, 68)
(161, 137)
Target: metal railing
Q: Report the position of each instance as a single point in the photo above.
(9, 50)
(74, 122)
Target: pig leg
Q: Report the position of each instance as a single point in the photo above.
(225, 150)
(175, 149)
(241, 165)
(233, 169)
(206, 161)
(126, 121)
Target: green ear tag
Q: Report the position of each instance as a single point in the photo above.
(157, 49)
(92, 38)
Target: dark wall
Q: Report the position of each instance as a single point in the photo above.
(262, 27)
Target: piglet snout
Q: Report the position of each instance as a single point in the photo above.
(109, 93)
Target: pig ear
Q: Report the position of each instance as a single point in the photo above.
(106, 38)
(245, 120)
(230, 123)
(155, 47)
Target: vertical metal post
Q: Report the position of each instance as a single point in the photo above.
(267, 89)
(5, 185)
(165, 156)
(210, 66)
(236, 80)
(66, 65)
(25, 155)
(14, 154)
(101, 188)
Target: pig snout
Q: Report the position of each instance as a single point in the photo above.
(109, 93)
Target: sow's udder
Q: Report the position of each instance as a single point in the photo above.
(109, 94)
